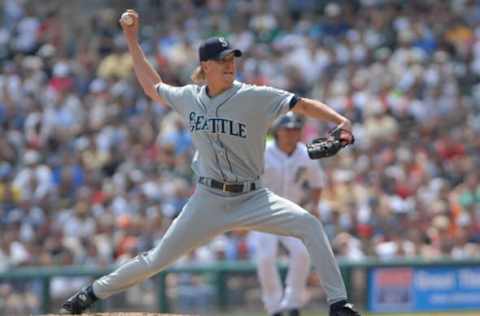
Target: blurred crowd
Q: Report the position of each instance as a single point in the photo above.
(92, 171)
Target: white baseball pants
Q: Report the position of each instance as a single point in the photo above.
(273, 296)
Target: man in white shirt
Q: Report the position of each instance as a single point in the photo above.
(291, 174)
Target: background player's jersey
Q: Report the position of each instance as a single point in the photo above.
(287, 176)
(228, 130)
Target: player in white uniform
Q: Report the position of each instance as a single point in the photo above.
(290, 173)
(229, 121)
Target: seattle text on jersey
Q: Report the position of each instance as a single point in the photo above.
(215, 125)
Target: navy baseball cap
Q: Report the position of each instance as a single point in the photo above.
(216, 48)
(289, 120)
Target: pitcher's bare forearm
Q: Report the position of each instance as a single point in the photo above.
(317, 109)
(146, 74)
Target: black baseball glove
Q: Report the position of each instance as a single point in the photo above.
(328, 146)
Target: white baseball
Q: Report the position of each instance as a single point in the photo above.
(127, 19)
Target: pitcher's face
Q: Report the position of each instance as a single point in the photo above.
(221, 70)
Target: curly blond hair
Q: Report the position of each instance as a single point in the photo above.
(198, 76)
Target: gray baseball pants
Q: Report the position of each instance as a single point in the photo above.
(211, 212)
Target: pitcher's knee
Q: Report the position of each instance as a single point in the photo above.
(308, 226)
(152, 262)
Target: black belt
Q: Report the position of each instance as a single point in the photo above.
(226, 187)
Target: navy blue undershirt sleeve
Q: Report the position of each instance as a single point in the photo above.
(293, 101)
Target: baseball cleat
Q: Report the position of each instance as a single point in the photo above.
(343, 308)
(79, 302)
(294, 312)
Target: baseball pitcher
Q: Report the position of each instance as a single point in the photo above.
(229, 121)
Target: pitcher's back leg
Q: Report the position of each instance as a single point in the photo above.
(271, 213)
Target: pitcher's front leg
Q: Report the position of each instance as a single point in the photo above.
(188, 231)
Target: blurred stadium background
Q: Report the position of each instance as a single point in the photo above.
(92, 172)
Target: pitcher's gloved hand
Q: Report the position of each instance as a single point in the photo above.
(328, 146)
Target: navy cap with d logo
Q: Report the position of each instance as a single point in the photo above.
(216, 48)
(289, 120)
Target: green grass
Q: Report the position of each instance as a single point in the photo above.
(323, 313)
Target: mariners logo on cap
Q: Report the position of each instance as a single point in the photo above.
(223, 41)
(216, 48)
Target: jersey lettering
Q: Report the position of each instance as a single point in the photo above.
(216, 125)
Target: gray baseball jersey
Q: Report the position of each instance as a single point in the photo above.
(228, 130)
(229, 133)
